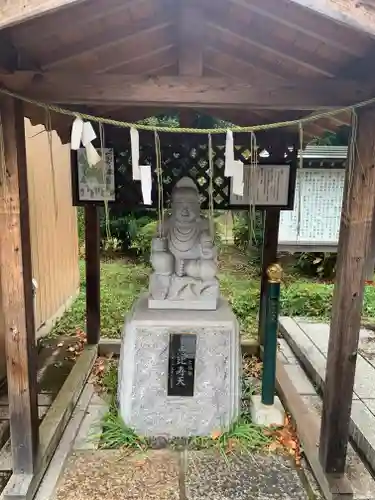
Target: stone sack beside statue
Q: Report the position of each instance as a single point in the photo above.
(183, 256)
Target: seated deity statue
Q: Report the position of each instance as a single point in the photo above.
(183, 256)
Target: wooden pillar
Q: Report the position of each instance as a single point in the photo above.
(16, 288)
(269, 256)
(353, 249)
(92, 250)
(277, 150)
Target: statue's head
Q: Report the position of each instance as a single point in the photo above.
(185, 201)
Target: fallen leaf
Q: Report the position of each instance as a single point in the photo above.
(215, 435)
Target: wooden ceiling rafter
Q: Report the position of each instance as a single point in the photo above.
(219, 49)
(82, 15)
(138, 45)
(190, 34)
(13, 13)
(278, 47)
(13, 59)
(226, 65)
(335, 13)
(307, 23)
(150, 63)
(103, 40)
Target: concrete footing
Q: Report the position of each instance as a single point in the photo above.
(273, 415)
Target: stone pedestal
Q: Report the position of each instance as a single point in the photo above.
(143, 371)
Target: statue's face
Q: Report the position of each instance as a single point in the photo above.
(185, 206)
(185, 210)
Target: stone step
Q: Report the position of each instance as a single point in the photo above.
(313, 362)
(357, 472)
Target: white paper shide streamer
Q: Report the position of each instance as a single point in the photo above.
(233, 168)
(134, 141)
(229, 155)
(237, 178)
(76, 135)
(83, 132)
(146, 183)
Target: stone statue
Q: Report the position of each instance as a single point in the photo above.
(183, 256)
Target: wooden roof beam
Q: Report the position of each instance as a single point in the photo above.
(311, 23)
(12, 59)
(16, 12)
(150, 63)
(64, 54)
(283, 50)
(84, 13)
(190, 34)
(226, 65)
(218, 52)
(184, 91)
(335, 12)
(191, 39)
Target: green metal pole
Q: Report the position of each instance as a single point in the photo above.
(274, 273)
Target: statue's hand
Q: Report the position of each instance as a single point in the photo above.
(207, 249)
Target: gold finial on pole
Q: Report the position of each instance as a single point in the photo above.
(274, 273)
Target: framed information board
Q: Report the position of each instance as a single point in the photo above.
(315, 218)
(96, 183)
(266, 186)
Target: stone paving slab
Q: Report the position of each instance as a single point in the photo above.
(248, 477)
(88, 437)
(286, 351)
(298, 340)
(111, 475)
(317, 334)
(304, 338)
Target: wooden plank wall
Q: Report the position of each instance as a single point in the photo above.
(53, 222)
(53, 226)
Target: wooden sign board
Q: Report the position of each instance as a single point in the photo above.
(181, 367)
(266, 186)
(96, 183)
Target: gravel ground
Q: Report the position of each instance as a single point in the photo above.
(167, 475)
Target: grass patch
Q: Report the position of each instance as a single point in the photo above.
(120, 284)
(123, 281)
(241, 437)
(117, 435)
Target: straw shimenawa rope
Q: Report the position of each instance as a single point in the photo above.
(187, 130)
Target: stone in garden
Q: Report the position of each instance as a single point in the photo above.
(179, 372)
(183, 256)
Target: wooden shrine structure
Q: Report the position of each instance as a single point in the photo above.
(248, 62)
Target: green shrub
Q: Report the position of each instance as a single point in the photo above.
(321, 265)
(124, 226)
(141, 241)
(247, 230)
(306, 299)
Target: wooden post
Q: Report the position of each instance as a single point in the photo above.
(16, 288)
(353, 249)
(269, 256)
(270, 233)
(92, 249)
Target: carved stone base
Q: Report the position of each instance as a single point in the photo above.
(175, 292)
(144, 401)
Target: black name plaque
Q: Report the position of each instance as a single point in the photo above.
(181, 366)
